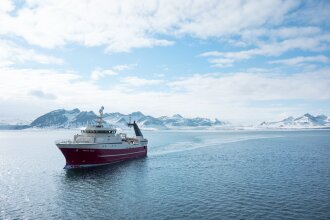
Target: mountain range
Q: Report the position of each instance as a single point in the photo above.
(75, 118)
(305, 121)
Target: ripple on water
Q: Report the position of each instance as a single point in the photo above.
(187, 175)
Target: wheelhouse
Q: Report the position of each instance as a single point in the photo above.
(91, 131)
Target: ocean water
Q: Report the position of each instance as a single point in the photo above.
(187, 175)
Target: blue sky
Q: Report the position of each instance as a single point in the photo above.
(239, 61)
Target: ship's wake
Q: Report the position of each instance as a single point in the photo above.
(201, 143)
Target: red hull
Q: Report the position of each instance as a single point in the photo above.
(77, 158)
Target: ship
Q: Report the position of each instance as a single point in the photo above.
(100, 144)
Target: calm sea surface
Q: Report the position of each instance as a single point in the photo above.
(187, 175)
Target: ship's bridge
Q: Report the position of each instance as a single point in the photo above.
(99, 129)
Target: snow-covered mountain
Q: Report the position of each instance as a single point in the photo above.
(75, 118)
(305, 121)
(62, 118)
(14, 124)
(178, 120)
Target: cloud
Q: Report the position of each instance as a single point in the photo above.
(123, 25)
(121, 45)
(302, 60)
(314, 12)
(212, 95)
(122, 67)
(99, 73)
(41, 94)
(255, 36)
(255, 29)
(214, 19)
(120, 26)
(6, 6)
(315, 44)
(222, 62)
(11, 53)
(113, 71)
(26, 83)
(256, 86)
(138, 82)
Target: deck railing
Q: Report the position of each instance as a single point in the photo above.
(67, 141)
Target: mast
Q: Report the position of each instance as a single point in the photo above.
(100, 120)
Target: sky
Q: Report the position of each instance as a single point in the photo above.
(239, 61)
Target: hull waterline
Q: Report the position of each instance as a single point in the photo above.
(83, 158)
